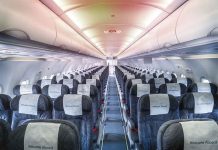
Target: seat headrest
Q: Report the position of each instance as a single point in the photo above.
(45, 134)
(69, 82)
(26, 89)
(73, 104)
(42, 83)
(70, 76)
(96, 77)
(175, 89)
(30, 103)
(157, 104)
(203, 87)
(129, 76)
(4, 102)
(142, 89)
(199, 103)
(182, 80)
(87, 89)
(130, 82)
(186, 81)
(60, 77)
(148, 77)
(158, 81)
(84, 89)
(94, 82)
(197, 134)
(55, 90)
(136, 81)
(166, 75)
(79, 78)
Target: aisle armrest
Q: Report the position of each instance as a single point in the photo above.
(132, 133)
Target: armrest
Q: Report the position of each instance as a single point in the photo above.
(132, 133)
(130, 124)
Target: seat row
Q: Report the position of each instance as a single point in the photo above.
(96, 73)
(81, 107)
(150, 111)
(186, 134)
(145, 111)
(175, 89)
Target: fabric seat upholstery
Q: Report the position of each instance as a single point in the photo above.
(149, 122)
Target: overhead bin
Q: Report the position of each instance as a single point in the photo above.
(166, 33)
(193, 20)
(145, 44)
(64, 35)
(152, 41)
(30, 19)
(17, 17)
(197, 20)
(67, 38)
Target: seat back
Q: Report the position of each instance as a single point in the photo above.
(97, 84)
(45, 82)
(45, 134)
(186, 81)
(30, 106)
(70, 76)
(199, 105)
(92, 92)
(80, 78)
(103, 81)
(96, 76)
(137, 91)
(166, 75)
(5, 112)
(26, 89)
(197, 134)
(158, 82)
(60, 77)
(128, 85)
(71, 83)
(55, 90)
(4, 133)
(78, 110)
(126, 77)
(153, 111)
(175, 89)
(146, 77)
(203, 87)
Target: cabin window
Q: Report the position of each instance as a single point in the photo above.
(182, 76)
(45, 77)
(204, 80)
(25, 82)
(51, 76)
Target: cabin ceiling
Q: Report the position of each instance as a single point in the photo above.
(112, 26)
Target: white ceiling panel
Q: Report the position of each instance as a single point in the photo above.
(112, 25)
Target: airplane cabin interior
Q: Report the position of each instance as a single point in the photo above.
(108, 74)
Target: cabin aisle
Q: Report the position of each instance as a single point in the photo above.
(114, 135)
